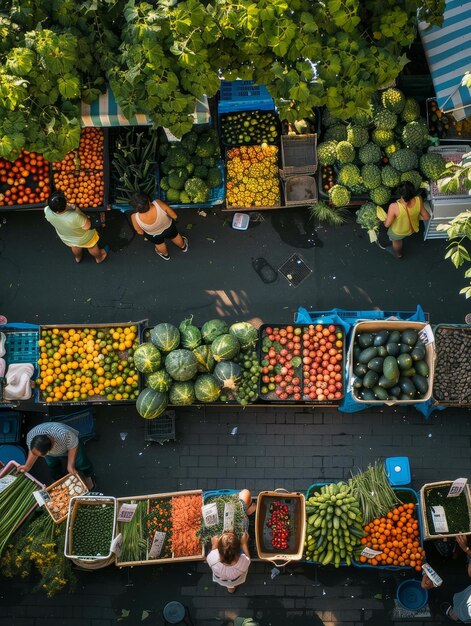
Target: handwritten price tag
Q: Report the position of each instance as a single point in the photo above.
(426, 335)
(370, 553)
(157, 544)
(41, 496)
(126, 512)
(457, 487)
(439, 519)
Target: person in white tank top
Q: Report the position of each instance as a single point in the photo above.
(156, 220)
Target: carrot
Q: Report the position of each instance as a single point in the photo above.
(186, 517)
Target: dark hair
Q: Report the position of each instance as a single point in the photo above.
(41, 443)
(57, 201)
(228, 547)
(406, 190)
(140, 202)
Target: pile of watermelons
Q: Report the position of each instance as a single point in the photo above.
(188, 365)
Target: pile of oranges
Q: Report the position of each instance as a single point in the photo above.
(83, 364)
(252, 176)
(24, 181)
(396, 536)
(80, 174)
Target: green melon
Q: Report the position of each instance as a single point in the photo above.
(207, 388)
(190, 335)
(205, 358)
(181, 365)
(165, 336)
(213, 329)
(159, 381)
(147, 358)
(227, 373)
(150, 403)
(182, 394)
(225, 347)
(245, 333)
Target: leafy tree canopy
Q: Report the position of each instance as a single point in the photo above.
(159, 55)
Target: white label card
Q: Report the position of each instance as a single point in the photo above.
(6, 482)
(432, 574)
(372, 235)
(210, 514)
(126, 512)
(229, 512)
(370, 553)
(426, 334)
(157, 544)
(41, 496)
(439, 519)
(116, 545)
(457, 487)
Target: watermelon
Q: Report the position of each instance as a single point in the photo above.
(225, 347)
(159, 381)
(182, 394)
(147, 358)
(245, 333)
(150, 403)
(207, 388)
(181, 365)
(165, 336)
(205, 358)
(190, 335)
(227, 373)
(213, 329)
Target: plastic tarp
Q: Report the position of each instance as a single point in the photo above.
(448, 53)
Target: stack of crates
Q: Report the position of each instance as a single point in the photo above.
(244, 95)
(299, 165)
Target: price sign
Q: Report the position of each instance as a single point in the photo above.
(432, 574)
(457, 487)
(157, 544)
(41, 496)
(210, 514)
(426, 334)
(6, 482)
(116, 545)
(370, 553)
(439, 519)
(229, 512)
(126, 512)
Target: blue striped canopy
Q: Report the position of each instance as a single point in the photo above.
(105, 112)
(448, 52)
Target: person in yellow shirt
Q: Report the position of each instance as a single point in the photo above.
(73, 228)
(403, 216)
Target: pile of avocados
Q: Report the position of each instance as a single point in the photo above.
(389, 365)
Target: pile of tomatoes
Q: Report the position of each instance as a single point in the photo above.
(24, 181)
(303, 363)
(279, 524)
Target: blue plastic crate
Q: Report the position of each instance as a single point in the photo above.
(216, 195)
(82, 421)
(218, 492)
(362, 315)
(244, 95)
(10, 426)
(21, 344)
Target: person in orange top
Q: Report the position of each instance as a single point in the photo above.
(403, 217)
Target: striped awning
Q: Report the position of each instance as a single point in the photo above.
(448, 52)
(105, 112)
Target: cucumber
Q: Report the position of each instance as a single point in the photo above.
(395, 336)
(380, 393)
(407, 387)
(393, 349)
(404, 361)
(370, 380)
(365, 340)
(368, 395)
(422, 368)
(381, 338)
(385, 383)
(382, 351)
(421, 383)
(360, 369)
(390, 368)
(418, 353)
(367, 355)
(410, 337)
(376, 364)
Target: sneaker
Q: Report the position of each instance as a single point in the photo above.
(165, 257)
(446, 609)
(185, 247)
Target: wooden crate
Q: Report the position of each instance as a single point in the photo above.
(57, 483)
(173, 559)
(75, 503)
(423, 510)
(392, 325)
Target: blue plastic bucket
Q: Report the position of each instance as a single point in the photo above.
(12, 453)
(411, 596)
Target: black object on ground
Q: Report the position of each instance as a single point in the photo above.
(162, 429)
(295, 270)
(266, 272)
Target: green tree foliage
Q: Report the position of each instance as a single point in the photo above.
(158, 56)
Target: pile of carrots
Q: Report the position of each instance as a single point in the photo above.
(80, 174)
(397, 537)
(186, 516)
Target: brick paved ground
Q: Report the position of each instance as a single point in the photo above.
(273, 448)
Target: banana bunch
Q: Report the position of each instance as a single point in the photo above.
(334, 526)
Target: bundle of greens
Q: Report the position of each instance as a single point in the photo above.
(134, 544)
(205, 533)
(368, 219)
(15, 502)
